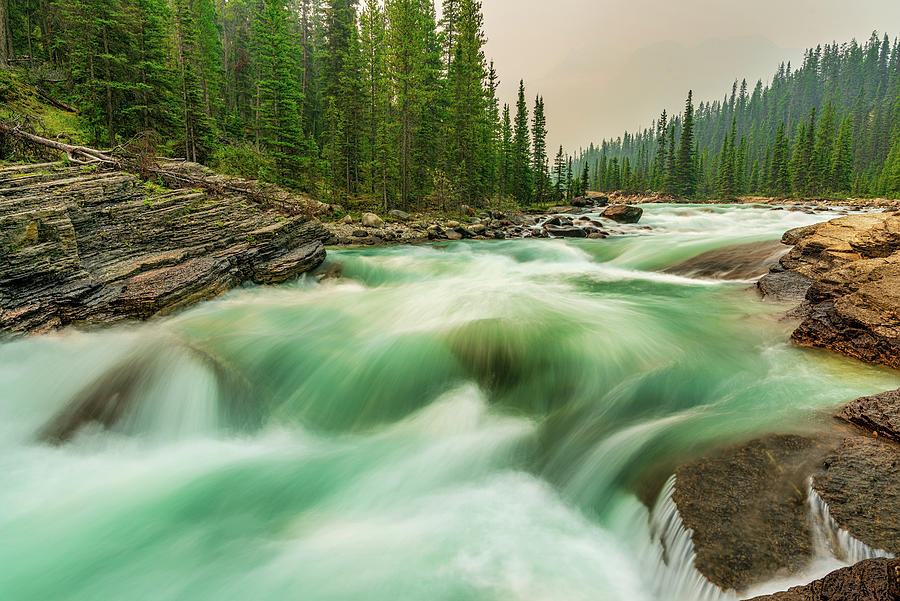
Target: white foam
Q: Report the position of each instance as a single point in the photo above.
(829, 536)
(674, 575)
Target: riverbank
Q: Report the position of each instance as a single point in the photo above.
(82, 246)
(773, 507)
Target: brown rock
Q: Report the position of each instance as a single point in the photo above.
(879, 413)
(871, 580)
(860, 481)
(854, 299)
(623, 213)
(746, 507)
(84, 247)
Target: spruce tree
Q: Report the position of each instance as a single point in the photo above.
(539, 164)
(685, 167)
(521, 173)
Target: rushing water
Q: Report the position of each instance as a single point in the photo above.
(453, 422)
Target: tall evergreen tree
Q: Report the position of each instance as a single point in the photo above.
(539, 162)
(521, 173)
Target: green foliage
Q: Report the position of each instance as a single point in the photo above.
(242, 160)
(338, 98)
(828, 128)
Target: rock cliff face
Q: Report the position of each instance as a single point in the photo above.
(851, 266)
(86, 247)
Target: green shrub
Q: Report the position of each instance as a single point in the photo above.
(241, 160)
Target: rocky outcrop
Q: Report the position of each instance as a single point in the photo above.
(852, 267)
(745, 506)
(750, 514)
(872, 580)
(623, 213)
(87, 247)
(879, 414)
(860, 482)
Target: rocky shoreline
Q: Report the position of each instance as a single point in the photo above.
(758, 510)
(85, 247)
(399, 227)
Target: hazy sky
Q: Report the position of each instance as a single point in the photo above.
(604, 66)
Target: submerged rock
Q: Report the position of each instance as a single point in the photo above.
(738, 262)
(871, 580)
(623, 213)
(86, 247)
(119, 390)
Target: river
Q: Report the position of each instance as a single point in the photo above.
(469, 421)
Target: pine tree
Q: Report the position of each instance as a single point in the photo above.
(685, 167)
(559, 173)
(780, 179)
(278, 122)
(841, 169)
(585, 178)
(660, 163)
(470, 129)
(539, 164)
(376, 145)
(521, 173)
(505, 176)
(802, 160)
(198, 126)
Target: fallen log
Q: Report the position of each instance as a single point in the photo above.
(81, 155)
(120, 158)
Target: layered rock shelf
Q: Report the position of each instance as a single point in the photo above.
(847, 273)
(79, 246)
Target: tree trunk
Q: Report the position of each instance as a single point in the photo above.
(4, 33)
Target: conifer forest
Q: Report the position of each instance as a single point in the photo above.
(397, 101)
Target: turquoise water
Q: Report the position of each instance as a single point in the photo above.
(449, 422)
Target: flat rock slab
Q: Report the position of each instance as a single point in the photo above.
(860, 481)
(871, 580)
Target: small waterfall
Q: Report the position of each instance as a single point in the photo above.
(676, 578)
(829, 537)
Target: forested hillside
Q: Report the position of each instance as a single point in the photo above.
(828, 128)
(331, 97)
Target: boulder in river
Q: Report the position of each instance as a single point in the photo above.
(746, 507)
(401, 215)
(562, 231)
(623, 213)
(558, 220)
